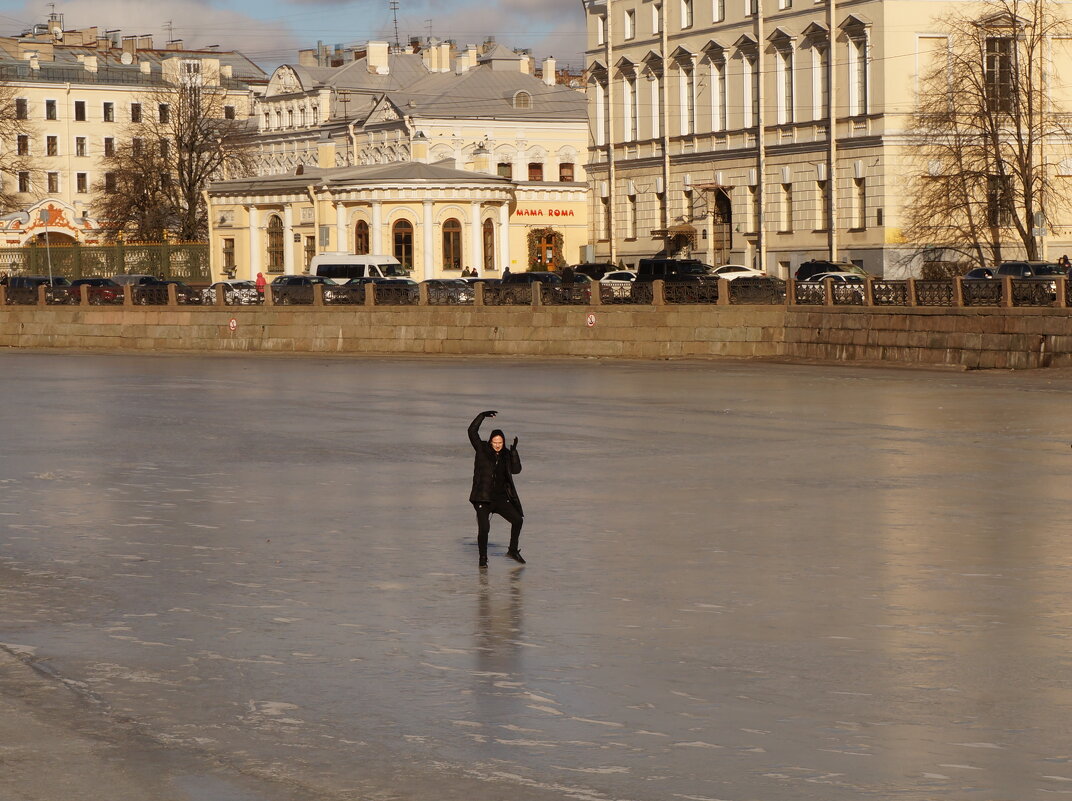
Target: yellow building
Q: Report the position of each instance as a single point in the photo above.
(712, 131)
(446, 158)
(78, 90)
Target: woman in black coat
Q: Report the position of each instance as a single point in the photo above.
(494, 468)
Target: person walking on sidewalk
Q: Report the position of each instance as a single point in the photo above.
(494, 468)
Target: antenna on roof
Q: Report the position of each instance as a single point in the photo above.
(393, 5)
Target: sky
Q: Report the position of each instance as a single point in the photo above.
(270, 32)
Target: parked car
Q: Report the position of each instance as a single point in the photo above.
(979, 273)
(351, 265)
(1031, 269)
(620, 282)
(597, 271)
(480, 279)
(838, 277)
(681, 270)
(734, 271)
(100, 292)
(449, 290)
(236, 292)
(815, 266)
(136, 279)
(293, 288)
(34, 281)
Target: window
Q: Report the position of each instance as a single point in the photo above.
(786, 103)
(53, 182)
(860, 204)
(290, 118)
(535, 171)
(80, 111)
(50, 110)
(361, 237)
(718, 10)
(753, 209)
(402, 234)
(687, 88)
(657, 18)
(751, 91)
(165, 180)
(629, 24)
(656, 107)
(630, 217)
(998, 201)
(52, 146)
(823, 198)
(1000, 81)
(718, 95)
(109, 182)
(228, 255)
(504, 169)
(275, 244)
(604, 209)
(820, 82)
(630, 103)
(80, 146)
(24, 182)
(522, 100)
(229, 113)
(81, 181)
(452, 245)
(751, 8)
(22, 145)
(786, 224)
(137, 146)
(165, 149)
(488, 232)
(163, 113)
(565, 171)
(784, 4)
(686, 13)
(310, 250)
(858, 76)
(109, 147)
(135, 112)
(109, 112)
(22, 109)
(601, 30)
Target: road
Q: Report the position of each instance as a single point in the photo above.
(255, 578)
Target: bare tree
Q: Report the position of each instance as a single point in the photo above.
(14, 123)
(155, 179)
(983, 133)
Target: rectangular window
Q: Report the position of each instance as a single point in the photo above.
(784, 4)
(823, 199)
(81, 180)
(229, 254)
(228, 112)
(137, 146)
(601, 30)
(751, 91)
(751, 8)
(631, 218)
(605, 213)
(718, 10)
(109, 182)
(657, 18)
(629, 104)
(109, 112)
(53, 182)
(786, 225)
(1000, 81)
(860, 203)
(753, 209)
(50, 110)
(22, 110)
(858, 76)
(22, 145)
(535, 171)
(109, 147)
(52, 145)
(504, 169)
(820, 82)
(565, 172)
(80, 111)
(24, 182)
(718, 95)
(686, 13)
(687, 87)
(135, 112)
(163, 112)
(785, 87)
(656, 108)
(629, 24)
(998, 201)
(165, 180)
(165, 149)
(80, 146)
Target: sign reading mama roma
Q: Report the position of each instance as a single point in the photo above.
(544, 212)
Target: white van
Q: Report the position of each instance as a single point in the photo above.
(342, 266)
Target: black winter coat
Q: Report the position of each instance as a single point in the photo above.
(484, 467)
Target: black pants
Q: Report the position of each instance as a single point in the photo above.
(505, 510)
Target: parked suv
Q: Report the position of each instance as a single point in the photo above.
(1030, 269)
(34, 281)
(681, 270)
(815, 266)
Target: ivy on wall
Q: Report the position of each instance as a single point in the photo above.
(536, 238)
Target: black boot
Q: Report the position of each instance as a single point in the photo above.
(515, 554)
(483, 561)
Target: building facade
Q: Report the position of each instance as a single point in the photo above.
(760, 132)
(78, 91)
(444, 158)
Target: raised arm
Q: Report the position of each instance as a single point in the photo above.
(474, 427)
(515, 458)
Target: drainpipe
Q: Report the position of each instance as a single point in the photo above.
(831, 129)
(316, 216)
(664, 101)
(612, 172)
(761, 143)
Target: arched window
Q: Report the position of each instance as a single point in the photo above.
(535, 171)
(488, 230)
(522, 100)
(452, 244)
(361, 238)
(275, 244)
(402, 232)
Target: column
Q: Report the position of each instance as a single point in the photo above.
(476, 239)
(428, 240)
(376, 234)
(255, 252)
(503, 255)
(340, 229)
(288, 239)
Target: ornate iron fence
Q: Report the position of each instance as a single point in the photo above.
(1033, 292)
(61, 295)
(809, 293)
(397, 295)
(450, 296)
(576, 295)
(184, 261)
(22, 296)
(610, 294)
(292, 295)
(757, 291)
(889, 293)
(690, 292)
(349, 295)
(508, 295)
(935, 293)
(152, 295)
(849, 294)
(982, 292)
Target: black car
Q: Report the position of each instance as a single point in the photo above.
(529, 278)
(101, 291)
(594, 270)
(675, 270)
(34, 281)
(815, 266)
(1031, 269)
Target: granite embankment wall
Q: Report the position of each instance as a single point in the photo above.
(976, 338)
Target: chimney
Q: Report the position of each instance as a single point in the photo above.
(472, 54)
(419, 148)
(89, 63)
(444, 57)
(325, 152)
(461, 65)
(130, 44)
(226, 71)
(146, 67)
(549, 65)
(145, 42)
(482, 159)
(104, 43)
(430, 57)
(377, 59)
(175, 44)
(35, 61)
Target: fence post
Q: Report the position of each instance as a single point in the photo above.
(724, 292)
(869, 291)
(221, 296)
(958, 291)
(120, 256)
(1062, 292)
(790, 292)
(128, 295)
(828, 291)
(658, 293)
(1006, 290)
(910, 291)
(318, 294)
(595, 297)
(537, 298)
(269, 298)
(165, 259)
(478, 293)
(422, 294)
(3, 295)
(41, 295)
(83, 295)
(172, 295)
(370, 293)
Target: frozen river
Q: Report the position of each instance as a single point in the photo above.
(746, 582)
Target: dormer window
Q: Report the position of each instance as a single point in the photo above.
(522, 100)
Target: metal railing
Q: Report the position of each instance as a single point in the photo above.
(182, 261)
(509, 295)
(292, 295)
(350, 295)
(889, 293)
(757, 291)
(690, 292)
(391, 295)
(808, 293)
(935, 293)
(152, 295)
(450, 296)
(982, 293)
(575, 295)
